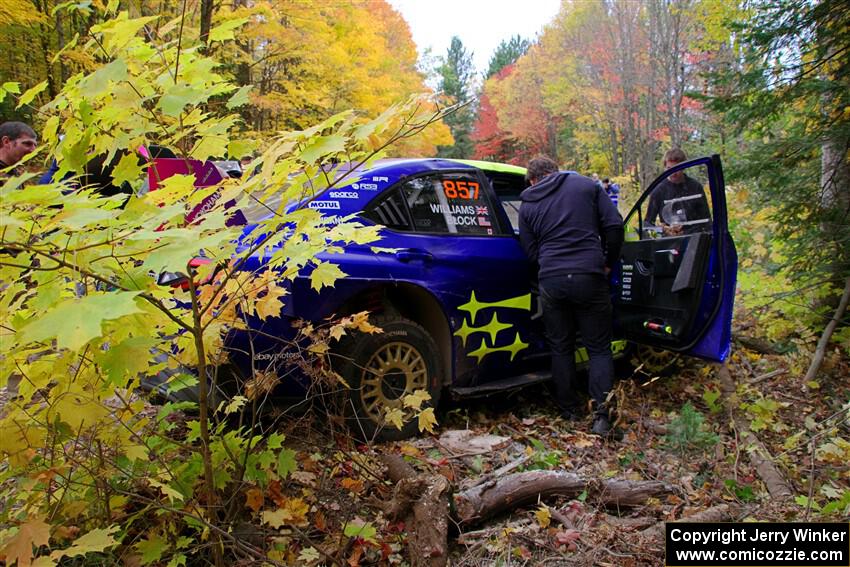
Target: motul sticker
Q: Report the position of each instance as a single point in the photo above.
(324, 204)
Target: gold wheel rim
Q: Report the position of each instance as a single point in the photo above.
(395, 370)
(655, 359)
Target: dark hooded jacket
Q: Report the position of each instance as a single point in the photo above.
(568, 225)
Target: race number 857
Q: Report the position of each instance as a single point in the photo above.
(460, 189)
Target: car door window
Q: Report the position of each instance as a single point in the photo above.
(442, 203)
(390, 211)
(675, 283)
(454, 203)
(508, 187)
(676, 206)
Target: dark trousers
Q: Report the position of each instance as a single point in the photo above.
(579, 302)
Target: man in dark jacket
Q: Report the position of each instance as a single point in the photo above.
(570, 228)
(679, 201)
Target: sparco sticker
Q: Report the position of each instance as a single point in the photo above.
(342, 195)
(324, 204)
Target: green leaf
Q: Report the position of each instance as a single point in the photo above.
(224, 31)
(28, 96)
(275, 441)
(173, 494)
(178, 96)
(78, 219)
(99, 81)
(710, 397)
(128, 358)
(119, 31)
(75, 322)
(12, 87)
(239, 98)
(236, 403)
(151, 549)
(363, 530)
(128, 169)
(94, 541)
(286, 463)
(237, 149)
(322, 147)
(174, 253)
(804, 502)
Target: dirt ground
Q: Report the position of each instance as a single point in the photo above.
(681, 429)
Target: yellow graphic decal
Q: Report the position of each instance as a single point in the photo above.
(484, 350)
(493, 328)
(473, 306)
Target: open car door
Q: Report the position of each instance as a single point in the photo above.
(675, 285)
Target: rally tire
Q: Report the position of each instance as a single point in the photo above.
(380, 369)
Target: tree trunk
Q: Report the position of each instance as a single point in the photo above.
(207, 9)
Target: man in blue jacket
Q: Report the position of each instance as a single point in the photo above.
(570, 228)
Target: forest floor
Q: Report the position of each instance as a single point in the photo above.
(682, 429)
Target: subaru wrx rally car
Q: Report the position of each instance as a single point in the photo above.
(456, 296)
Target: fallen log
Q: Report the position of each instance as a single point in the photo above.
(758, 454)
(720, 513)
(423, 502)
(756, 344)
(499, 495)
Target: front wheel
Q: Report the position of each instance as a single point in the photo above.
(653, 361)
(382, 369)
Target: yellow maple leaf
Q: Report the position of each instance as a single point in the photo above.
(325, 274)
(293, 512)
(427, 420)
(18, 548)
(409, 450)
(361, 323)
(270, 304)
(395, 417)
(337, 331)
(318, 348)
(544, 517)
(415, 399)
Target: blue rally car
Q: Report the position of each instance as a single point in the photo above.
(456, 296)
